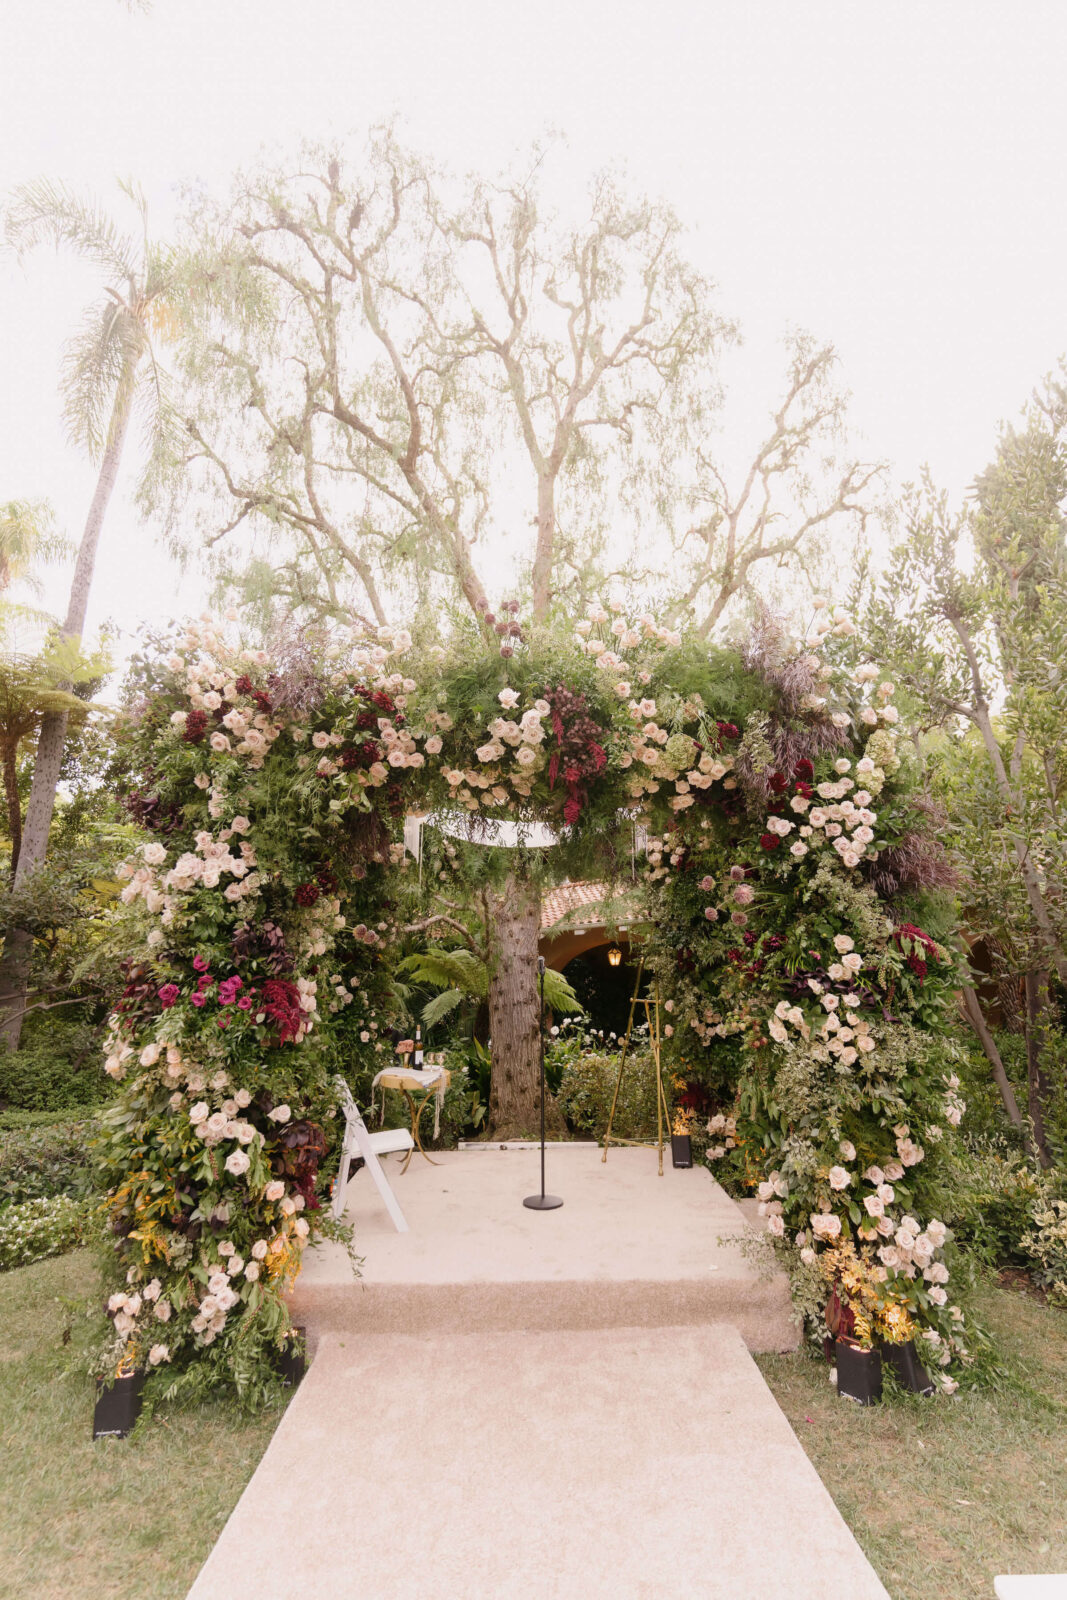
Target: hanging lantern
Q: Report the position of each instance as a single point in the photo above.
(614, 956)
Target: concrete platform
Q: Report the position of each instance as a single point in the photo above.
(627, 1249)
(623, 1463)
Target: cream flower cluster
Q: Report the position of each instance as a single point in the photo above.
(723, 1129)
(510, 758)
(844, 821)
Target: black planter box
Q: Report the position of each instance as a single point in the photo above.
(118, 1407)
(681, 1150)
(292, 1361)
(903, 1360)
(859, 1373)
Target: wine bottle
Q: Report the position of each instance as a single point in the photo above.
(418, 1049)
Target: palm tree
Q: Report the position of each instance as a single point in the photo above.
(110, 370)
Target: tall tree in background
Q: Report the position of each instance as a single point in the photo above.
(406, 392)
(972, 618)
(110, 371)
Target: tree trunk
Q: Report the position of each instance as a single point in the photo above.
(1037, 1084)
(515, 1091)
(18, 946)
(14, 804)
(545, 547)
(974, 1016)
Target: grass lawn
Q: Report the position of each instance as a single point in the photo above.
(91, 1521)
(943, 1495)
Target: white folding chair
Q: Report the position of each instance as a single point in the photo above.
(359, 1141)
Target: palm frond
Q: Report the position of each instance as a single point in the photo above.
(439, 968)
(441, 1005)
(28, 539)
(45, 211)
(559, 996)
(99, 368)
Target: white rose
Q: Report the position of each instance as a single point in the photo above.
(259, 1250)
(839, 1178)
(280, 1114)
(237, 1163)
(274, 1190)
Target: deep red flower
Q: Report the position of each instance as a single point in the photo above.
(728, 730)
(243, 684)
(281, 1003)
(769, 841)
(806, 790)
(307, 894)
(195, 727)
(168, 995)
(779, 782)
(804, 770)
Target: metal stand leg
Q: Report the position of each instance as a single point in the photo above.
(651, 1006)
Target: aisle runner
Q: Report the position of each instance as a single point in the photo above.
(624, 1463)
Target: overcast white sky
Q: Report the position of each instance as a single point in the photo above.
(889, 176)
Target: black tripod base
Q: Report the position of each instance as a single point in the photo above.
(542, 1202)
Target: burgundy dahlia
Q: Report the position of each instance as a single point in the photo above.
(195, 727)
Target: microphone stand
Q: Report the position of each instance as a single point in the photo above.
(542, 1201)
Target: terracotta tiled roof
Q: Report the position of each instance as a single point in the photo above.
(573, 898)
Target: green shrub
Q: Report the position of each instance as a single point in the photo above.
(1046, 1245)
(58, 1067)
(990, 1191)
(38, 1228)
(587, 1084)
(39, 1162)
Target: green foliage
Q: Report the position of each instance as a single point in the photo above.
(989, 1192)
(586, 1084)
(55, 1068)
(1046, 1244)
(36, 1229)
(460, 975)
(46, 1159)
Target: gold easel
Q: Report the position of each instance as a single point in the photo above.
(651, 1005)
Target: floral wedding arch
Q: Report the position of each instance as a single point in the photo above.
(787, 863)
